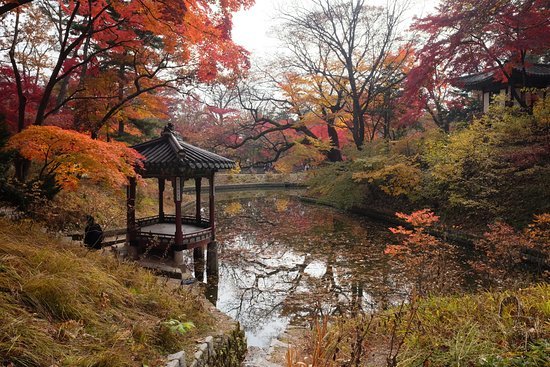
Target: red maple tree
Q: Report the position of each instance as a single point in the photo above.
(471, 36)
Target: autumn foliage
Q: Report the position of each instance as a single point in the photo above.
(415, 239)
(471, 36)
(422, 254)
(505, 249)
(70, 156)
(96, 66)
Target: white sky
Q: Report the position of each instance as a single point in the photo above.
(252, 28)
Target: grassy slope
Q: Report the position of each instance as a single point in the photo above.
(65, 306)
(484, 329)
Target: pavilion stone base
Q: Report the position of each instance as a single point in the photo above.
(132, 251)
(178, 257)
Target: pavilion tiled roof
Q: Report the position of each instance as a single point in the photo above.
(538, 75)
(170, 154)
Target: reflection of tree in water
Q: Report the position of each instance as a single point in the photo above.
(268, 245)
(284, 258)
(261, 285)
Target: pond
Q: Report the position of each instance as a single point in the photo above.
(282, 261)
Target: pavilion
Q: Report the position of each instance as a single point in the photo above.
(170, 158)
(485, 86)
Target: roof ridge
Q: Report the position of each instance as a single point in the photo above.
(176, 145)
(172, 154)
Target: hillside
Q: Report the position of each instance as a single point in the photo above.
(62, 305)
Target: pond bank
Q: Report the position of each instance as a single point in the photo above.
(226, 348)
(465, 239)
(459, 237)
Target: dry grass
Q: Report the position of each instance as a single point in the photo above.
(61, 305)
(510, 328)
(471, 329)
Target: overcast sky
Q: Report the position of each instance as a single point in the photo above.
(253, 28)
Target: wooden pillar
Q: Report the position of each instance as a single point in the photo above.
(212, 203)
(212, 259)
(178, 188)
(131, 229)
(212, 277)
(198, 262)
(212, 272)
(161, 199)
(198, 200)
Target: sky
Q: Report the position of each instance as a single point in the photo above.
(253, 28)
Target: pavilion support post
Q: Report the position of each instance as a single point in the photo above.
(212, 278)
(161, 199)
(178, 189)
(198, 262)
(131, 228)
(212, 260)
(212, 272)
(198, 200)
(212, 207)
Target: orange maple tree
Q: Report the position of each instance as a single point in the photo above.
(423, 255)
(70, 156)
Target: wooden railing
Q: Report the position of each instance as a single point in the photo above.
(167, 239)
(170, 218)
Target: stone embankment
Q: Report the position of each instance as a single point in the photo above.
(226, 350)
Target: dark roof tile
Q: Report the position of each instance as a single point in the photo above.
(538, 74)
(172, 152)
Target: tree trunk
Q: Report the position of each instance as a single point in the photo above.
(121, 83)
(66, 49)
(334, 154)
(22, 166)
(358, 128)
(21, 98)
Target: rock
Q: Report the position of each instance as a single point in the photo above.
(178, 356)
(257, 357)
(210, 344)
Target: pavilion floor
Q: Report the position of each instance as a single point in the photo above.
(170, 228)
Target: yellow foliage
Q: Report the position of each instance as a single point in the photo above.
(282, 204)
(541, 111)
(236, 170)
(301, 153)
(395, 179)
(233, 208)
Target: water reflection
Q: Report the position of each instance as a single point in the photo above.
(212, 287)
(280, 261)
